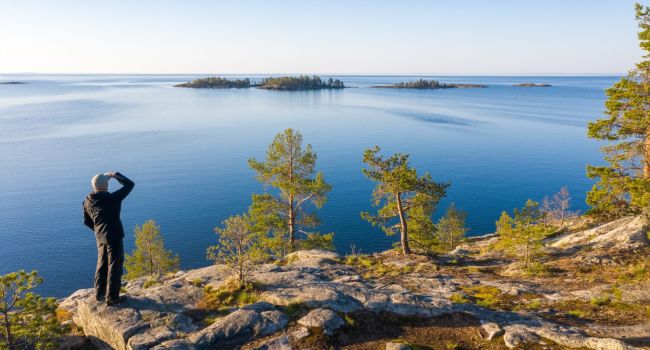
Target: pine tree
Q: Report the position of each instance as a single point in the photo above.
(522, 234)
(239, 248)
(623, 185)
(27, 320)
(399, 193)
(450, 229)
(291, 169)
(149, 257)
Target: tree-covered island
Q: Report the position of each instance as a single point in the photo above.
(217, 83)
(302, 82)
(427, 84)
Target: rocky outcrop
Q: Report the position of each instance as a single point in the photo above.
(626, 234)
(325, 319)
(168, 315)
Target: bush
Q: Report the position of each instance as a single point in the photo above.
(521, 235)
(28, 320)
(486, 296)
(150, 258)
(316, 240)
(600, 301)
(458, 298)
(239, 248)
(229, 295)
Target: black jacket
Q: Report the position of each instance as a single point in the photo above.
(102, 211)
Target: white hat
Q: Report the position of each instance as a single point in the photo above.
(100, 182)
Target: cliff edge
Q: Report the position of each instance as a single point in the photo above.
(592, 296)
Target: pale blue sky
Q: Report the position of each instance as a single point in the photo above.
(334, 36)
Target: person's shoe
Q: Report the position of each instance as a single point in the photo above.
(111, 302)
(99, 299)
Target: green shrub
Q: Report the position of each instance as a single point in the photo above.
(315, 240)
(600, 301)
(486, 296)
(149, 283)
(577, 313)
(534, 304)
(29, 321)
(197, 282)
(229, 295)
(458, 298)
(150, 258)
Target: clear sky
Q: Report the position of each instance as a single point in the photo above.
(305, 36)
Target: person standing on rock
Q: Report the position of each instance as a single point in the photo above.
(102, 214)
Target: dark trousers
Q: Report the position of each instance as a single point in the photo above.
(108, 276)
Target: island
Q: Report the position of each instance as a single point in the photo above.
(427, 84)
(12, 83)
(216, 83)
(531, 85)
(302, 82)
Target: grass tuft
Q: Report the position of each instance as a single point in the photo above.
(229, 295)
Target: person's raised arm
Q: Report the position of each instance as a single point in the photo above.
(127, 186)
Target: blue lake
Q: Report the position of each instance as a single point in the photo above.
(187, 151)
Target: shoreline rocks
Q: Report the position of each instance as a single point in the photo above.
(324, 289)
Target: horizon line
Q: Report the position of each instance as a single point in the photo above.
(324, 73)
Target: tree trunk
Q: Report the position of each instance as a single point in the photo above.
(10, 339)
(646, 158)
(292, 223)
(292, 212)
(404, 228)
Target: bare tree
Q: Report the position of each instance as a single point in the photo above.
(558, 208)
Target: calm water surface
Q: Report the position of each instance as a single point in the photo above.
(187, 151)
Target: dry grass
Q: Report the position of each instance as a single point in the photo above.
(229, 295)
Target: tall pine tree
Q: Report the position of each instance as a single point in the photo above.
(291, 169)
(402, 195)
(623, 185)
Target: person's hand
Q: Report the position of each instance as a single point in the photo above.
(110, 174)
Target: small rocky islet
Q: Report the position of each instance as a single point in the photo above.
(532, 85)
(595, 295)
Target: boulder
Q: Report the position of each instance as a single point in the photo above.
(397, 346)
(108, 327)
(314, 253)
(515, 336)
(278, 343)
(300, 333)
(325, 319)
(491, 329)
(149, 338)
(315, 295)
(250, 322)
